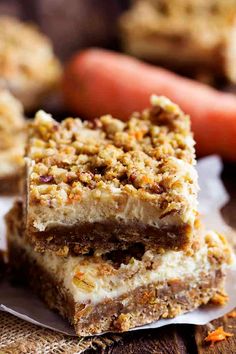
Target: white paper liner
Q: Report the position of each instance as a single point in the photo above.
(5, 205)
(25, 305)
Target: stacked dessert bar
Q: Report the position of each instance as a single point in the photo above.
(108, 232)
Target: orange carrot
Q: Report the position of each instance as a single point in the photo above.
(97, 82)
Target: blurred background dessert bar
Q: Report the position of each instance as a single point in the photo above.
(28, 66)
(12, 141)
(194, 37)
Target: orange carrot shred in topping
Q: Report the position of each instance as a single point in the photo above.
(217, 335)
(232, 314)
(146, 179)
(139, 135)
(78, 275)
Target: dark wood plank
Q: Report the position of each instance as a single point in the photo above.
(166, 340)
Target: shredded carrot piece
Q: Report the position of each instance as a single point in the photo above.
(138, 134)
(78, 275)
(232, 314)
(146, 179)
(217, 335)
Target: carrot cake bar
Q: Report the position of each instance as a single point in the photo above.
(29, 68)
(108, 184)
(12, 142)
(121, 289)
(195, 37)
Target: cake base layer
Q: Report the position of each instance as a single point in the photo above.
(138, 307)
(108, 236)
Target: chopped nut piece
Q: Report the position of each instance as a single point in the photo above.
(122, 323)
(84, 285)
(63, 252)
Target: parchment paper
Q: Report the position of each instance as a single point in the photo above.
(23, 304)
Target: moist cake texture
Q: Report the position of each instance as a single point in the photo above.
(113, 293)
(12, 142)
(112, 182)
(29, 68)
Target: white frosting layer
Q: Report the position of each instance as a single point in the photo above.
(93, 279)
(91, 210)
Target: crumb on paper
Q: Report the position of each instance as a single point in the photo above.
(220, 299)
(122, 323)
(217, 335)
(232, 314)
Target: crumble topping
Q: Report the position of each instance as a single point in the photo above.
(180, 20)
(11, 119)
(25, 54)
(12, 135)
(152, 154)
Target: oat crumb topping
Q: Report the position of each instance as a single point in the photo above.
(152, 154)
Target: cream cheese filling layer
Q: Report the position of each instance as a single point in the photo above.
(92, 280)
(114, 204)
